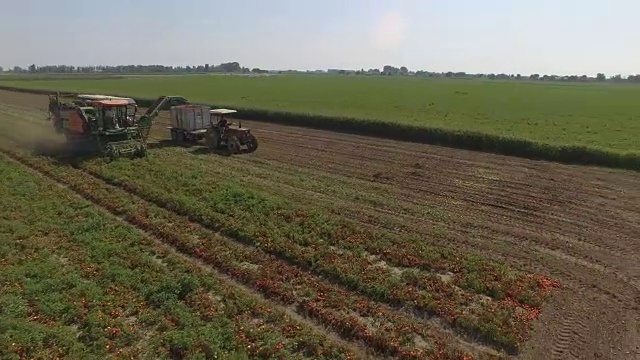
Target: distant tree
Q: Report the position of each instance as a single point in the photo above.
(534, 77)
(1, 69)
(633, 78)
(231, 67)
(32, 68)
(17, 69)
(206, 67)
(601, 77)
(390, 70)
(404, 70)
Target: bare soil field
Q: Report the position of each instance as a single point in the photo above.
(579, 225)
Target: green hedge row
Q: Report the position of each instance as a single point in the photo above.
(511, 146)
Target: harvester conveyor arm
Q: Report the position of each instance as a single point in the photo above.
(146, 120)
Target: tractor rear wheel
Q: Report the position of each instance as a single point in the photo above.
(212, 140)
(233, 144)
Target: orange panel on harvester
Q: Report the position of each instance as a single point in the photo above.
(76, 122)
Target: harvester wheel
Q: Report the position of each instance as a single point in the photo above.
(233, 145)
(251, 144)
(112, 153)
(141, 151)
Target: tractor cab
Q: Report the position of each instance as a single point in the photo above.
(222, 133)
(222, 117)
(109, 115)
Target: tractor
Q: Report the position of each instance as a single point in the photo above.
(222, 133)
(106, 124)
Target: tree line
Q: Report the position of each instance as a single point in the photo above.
(235, 67)
(230, 67)
(389, 70)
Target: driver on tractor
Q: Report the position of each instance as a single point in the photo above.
(222, 125)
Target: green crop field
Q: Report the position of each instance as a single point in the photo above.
(325, 246)
(256, 224)
(68, 290)
(605, 116)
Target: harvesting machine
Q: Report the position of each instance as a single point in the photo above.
(106, 124)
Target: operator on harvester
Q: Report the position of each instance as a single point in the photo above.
(131, 118)
(111, 120)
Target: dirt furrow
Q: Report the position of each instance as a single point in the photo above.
(569, 336)
(548, 221)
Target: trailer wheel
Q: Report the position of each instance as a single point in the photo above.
(180, 137)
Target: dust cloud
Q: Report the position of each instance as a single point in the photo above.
(33, 134)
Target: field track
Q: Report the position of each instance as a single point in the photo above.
(576, 224)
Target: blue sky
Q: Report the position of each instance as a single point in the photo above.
(519, 36)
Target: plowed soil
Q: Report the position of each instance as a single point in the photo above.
(579, 225)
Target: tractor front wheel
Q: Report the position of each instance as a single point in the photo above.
(251, 143)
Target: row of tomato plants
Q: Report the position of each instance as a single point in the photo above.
(354, 317)
(101, 295)
(496, 322)
(471, 272)
(468, 271)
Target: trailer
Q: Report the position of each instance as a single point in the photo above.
(189, 122)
